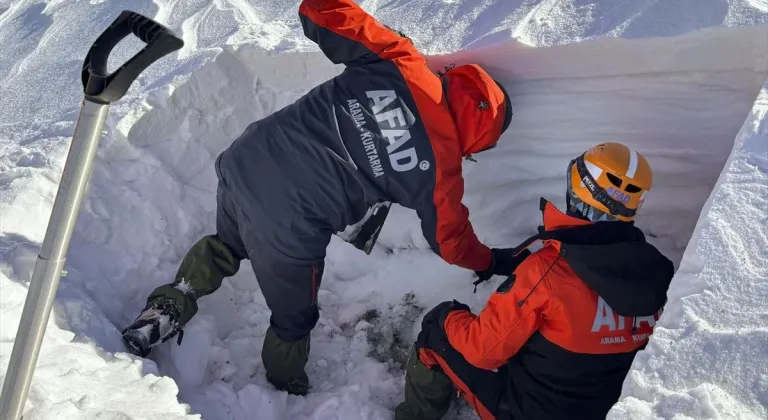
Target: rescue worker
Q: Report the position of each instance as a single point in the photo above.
(558, 336)
(386, 130)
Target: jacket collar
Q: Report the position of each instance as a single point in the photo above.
(554, 219)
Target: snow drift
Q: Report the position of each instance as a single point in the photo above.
(680, 101)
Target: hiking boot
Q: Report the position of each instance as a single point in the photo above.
(157, 323)
(428, 392)
(285, 361)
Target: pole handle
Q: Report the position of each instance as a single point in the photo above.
(104, 88)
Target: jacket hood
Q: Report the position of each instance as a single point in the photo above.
(614, 259)
(480, 107)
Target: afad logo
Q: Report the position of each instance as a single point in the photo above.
(618, 195)
(395, 127)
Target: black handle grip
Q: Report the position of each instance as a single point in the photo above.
(104, 88)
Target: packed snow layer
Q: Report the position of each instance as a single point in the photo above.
(146, 205)
(707, 358)
(152, 196)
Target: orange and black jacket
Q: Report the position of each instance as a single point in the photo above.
(405, 129)
(567, 323)
(386, 129)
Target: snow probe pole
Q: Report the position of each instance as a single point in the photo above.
(100, 89)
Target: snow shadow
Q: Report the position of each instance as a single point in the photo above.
(74, 310)
(17, 256)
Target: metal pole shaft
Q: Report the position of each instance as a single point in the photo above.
(50, 261)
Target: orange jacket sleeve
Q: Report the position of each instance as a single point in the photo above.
(348, 35)
(489, 339)
(446, 224)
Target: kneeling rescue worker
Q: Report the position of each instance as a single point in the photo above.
(385, 130)
(558, 336)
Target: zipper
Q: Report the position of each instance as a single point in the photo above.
(522, 302)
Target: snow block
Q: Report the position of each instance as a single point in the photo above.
(707, 357)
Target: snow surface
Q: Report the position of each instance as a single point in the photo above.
(680, 101)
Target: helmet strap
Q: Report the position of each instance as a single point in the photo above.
(572, 209)
(598, 193)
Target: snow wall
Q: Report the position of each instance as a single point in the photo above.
(707, 358)
(680, 101)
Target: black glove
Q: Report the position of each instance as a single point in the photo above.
(503, 263)
(432, 335)
(438, 314)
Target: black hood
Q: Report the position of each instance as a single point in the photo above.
(614, 259)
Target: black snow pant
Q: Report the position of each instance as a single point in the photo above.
(289, 278)
(289, 283)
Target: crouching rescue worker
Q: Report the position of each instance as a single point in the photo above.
(386, 130)
(557, 338)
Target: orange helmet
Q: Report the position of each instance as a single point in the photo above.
(608, 182)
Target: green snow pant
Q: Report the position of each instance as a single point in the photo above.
(201, 272)
(215, 257)
(435, 378)
(428, 392)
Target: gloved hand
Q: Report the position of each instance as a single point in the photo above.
(437, 315)
(432, 335)
(503, 263)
